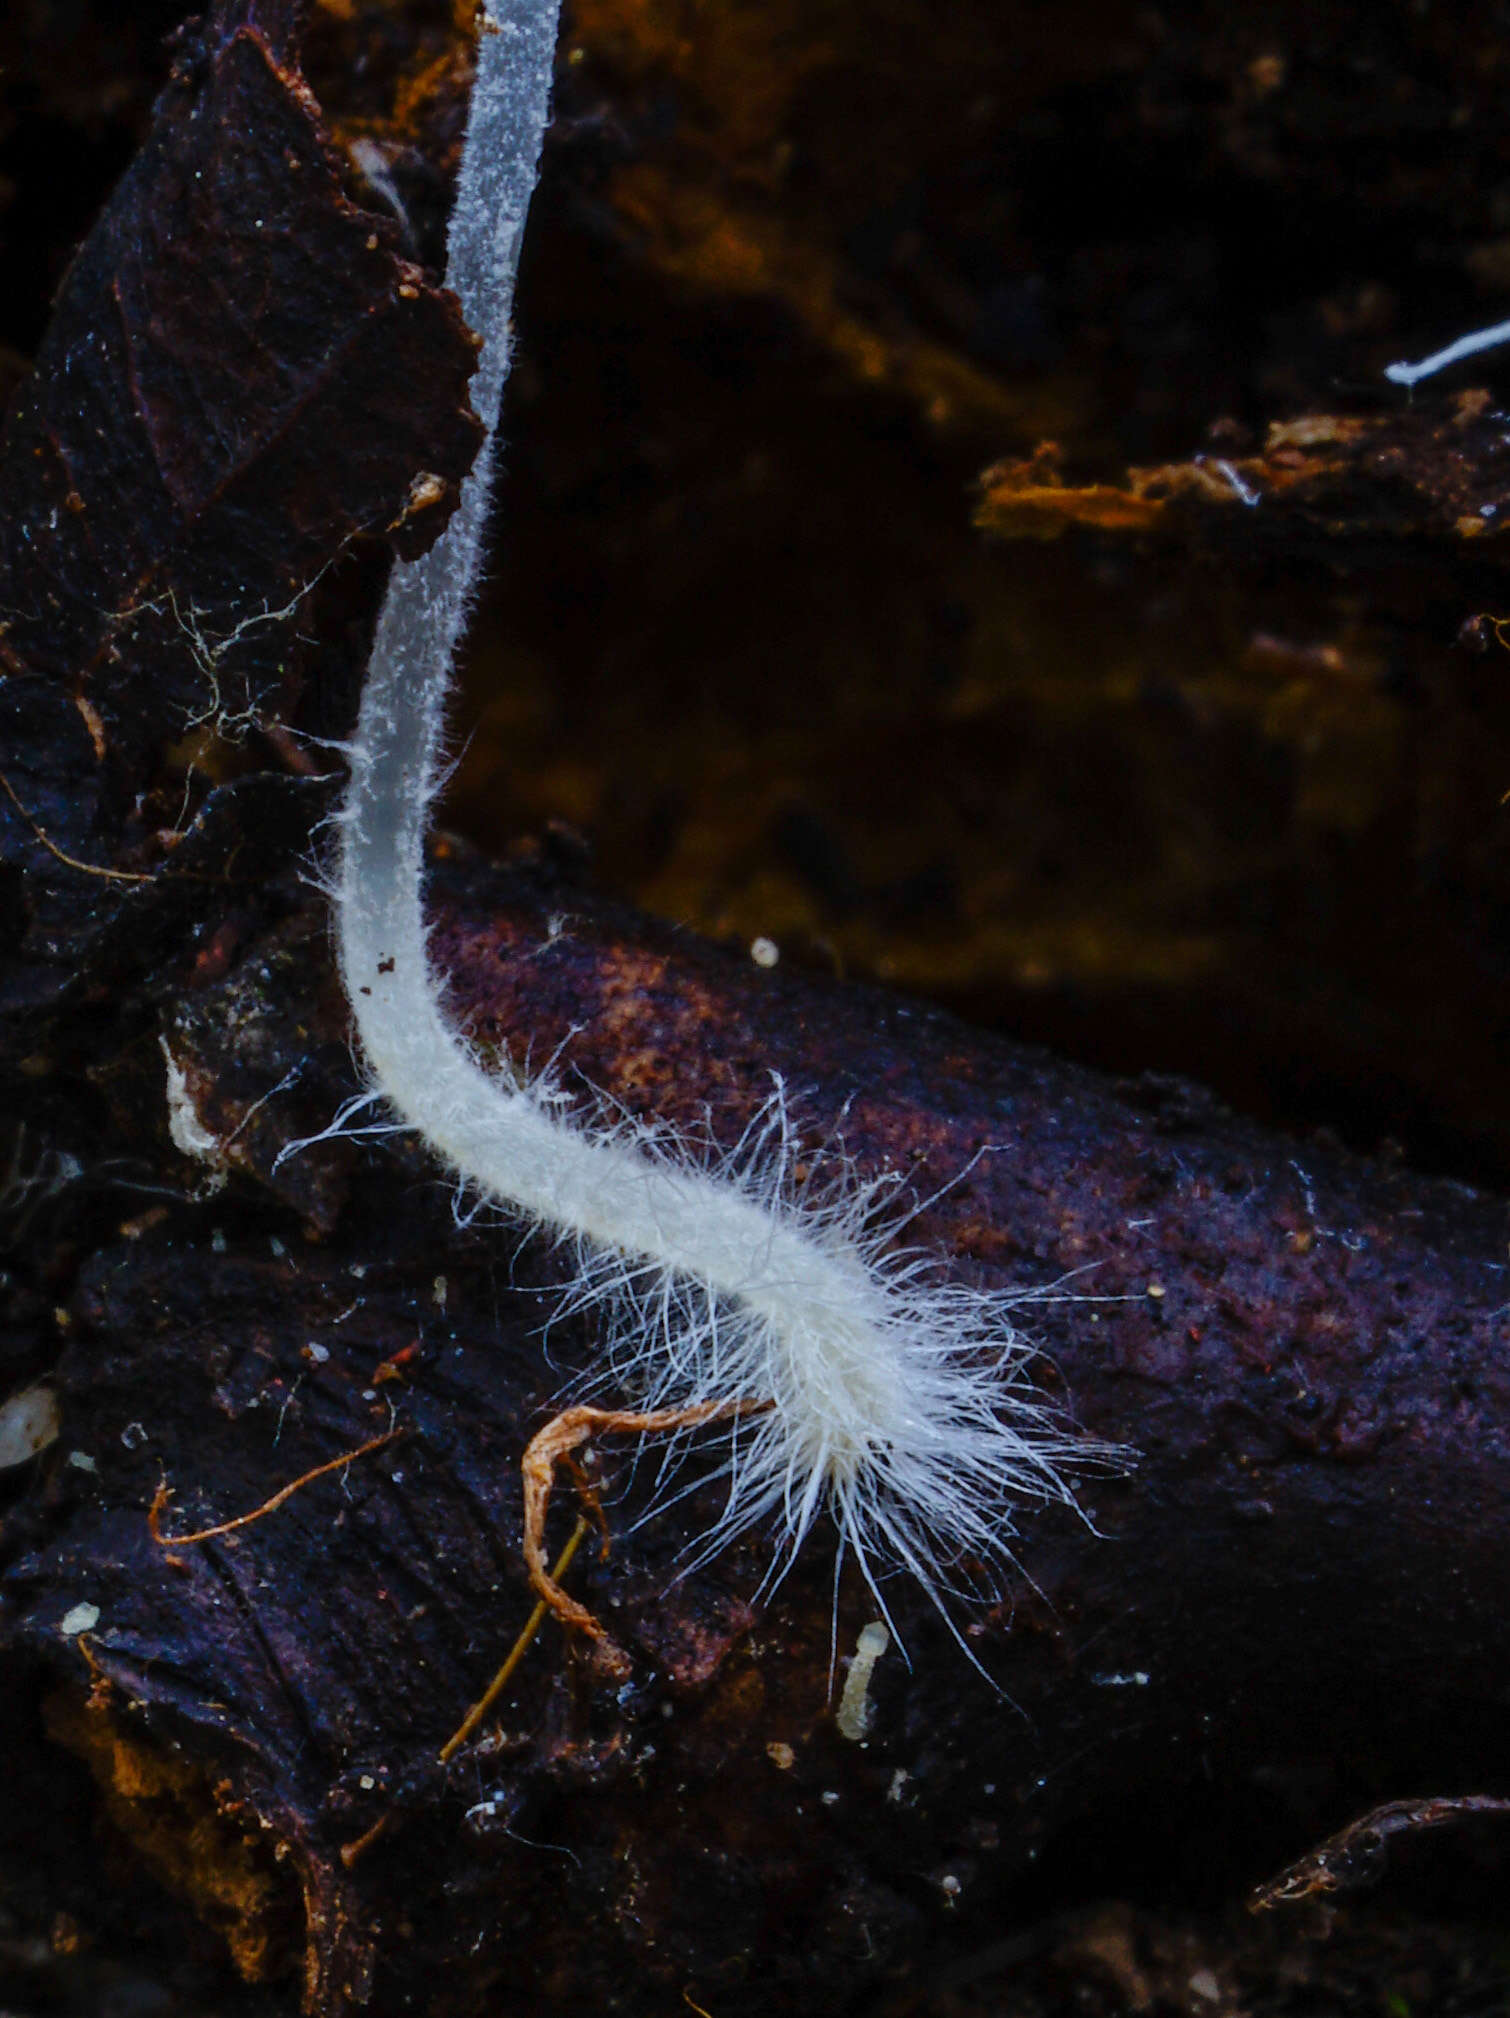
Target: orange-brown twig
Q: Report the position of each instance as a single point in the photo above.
(1354, 1857)
(592, 1505)
(70, 861)
(102, 1684)
(360, 1845)
(553, 1444)
(40, 833)
(164, 1493)
(516, 1653)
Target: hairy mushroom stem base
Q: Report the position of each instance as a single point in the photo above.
(719, 1284)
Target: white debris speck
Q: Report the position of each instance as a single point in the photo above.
(781, 1756)
(79, 1619)
(438, 1292)
(1245, 491)
(82, 1461)
(764, 952)
(1204, 1984)
(29, 1422)
(1137, 1679)
(897, 1791)
(134, 1435)
(316, 1352)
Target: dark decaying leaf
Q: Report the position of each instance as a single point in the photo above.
(242, 374)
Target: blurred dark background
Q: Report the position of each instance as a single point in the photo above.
(797, 274)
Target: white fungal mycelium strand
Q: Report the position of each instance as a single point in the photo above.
(1453, 353)
(899, 1401)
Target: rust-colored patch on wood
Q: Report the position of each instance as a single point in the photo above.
(1395, 476)
(193, 1828)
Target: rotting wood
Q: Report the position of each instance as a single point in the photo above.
(1305, 1350)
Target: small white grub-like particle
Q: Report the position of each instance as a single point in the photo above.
(764, 952)
(29, 1422)
(854, 1712)
(900, 1781)
(1204, 1984)
(316, 1353)
(781, 1756)
(189, 1134)
(82, 1461)
(79, 1619)
(438, 1291)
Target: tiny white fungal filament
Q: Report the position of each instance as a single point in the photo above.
(897, 1400)
(1453, 353)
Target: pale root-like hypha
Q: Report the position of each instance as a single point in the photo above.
(843, 1371)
